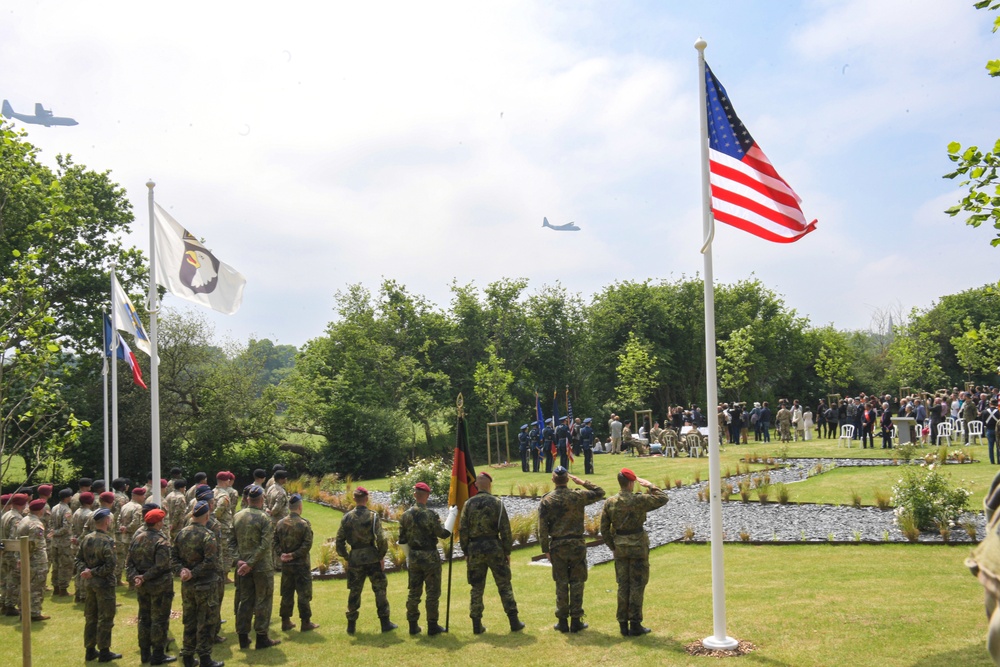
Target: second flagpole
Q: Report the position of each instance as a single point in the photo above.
(154, 370)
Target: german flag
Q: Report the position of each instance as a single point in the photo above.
(463, 473)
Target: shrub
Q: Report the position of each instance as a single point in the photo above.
(697, 477)
(909, 527)
(883, 500)
(727, 490)
(678, 483)
(745, 535)
(925, 496)
(688, 533)
(762, 493)
(783, 493)
(745, 490)
(971, 530)
(433, 472)
(855, 499)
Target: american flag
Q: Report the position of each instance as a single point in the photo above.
(747, 192)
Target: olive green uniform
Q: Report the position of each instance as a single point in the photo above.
(97, 553)
(421, 528)
(560, 533)
(149, 557)
(33, 528)
(61, 555)
(486, 540)
(622, 521)
(11, 575)
(276, 499)
(250, 542)
(79, 522)
(197, 549)
(175, 505)
(361, 529)
(294, 535)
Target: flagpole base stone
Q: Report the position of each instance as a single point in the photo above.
(715, 644)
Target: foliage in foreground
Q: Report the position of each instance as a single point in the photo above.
(924, 498)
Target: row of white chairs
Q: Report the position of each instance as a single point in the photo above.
(946, 431)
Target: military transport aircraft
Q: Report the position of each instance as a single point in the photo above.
(568, 227)
(42, 116)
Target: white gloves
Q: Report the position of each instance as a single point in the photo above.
(406, 550)
(449, 523)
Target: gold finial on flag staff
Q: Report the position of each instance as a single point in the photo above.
(459, 405)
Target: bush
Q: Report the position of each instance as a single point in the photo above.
(363, 442)
(924, 496)
(435, 473)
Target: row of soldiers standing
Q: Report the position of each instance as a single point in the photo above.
(567, 439)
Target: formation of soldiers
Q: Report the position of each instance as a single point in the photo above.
(200, 535)
(569, 439)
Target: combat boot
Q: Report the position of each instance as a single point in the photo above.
(91, 654)
(351, 627)
(624, 628)
(144, 655)
(263, 641)
(244, 641)
(635, 629)
(434, 629)
(286, 623)
(10, 611)
(206, 661)
(577, 624)
(561, 626)
(107, 656)
(40, 617)
(308, 625)
(387, 625)
(189, 661)
(415, 629)
(515, 623)
(158, 657)
(477, 626)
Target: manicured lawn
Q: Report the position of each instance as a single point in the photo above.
(801, 605)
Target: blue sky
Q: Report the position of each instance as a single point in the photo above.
(315, 146)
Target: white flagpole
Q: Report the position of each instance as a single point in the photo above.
(154, 373)
(719, 640)
(104, 374)
(114, 384)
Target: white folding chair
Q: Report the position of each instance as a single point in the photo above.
(944, 432)
(669, 441)
(975, 432)
(693, 441)
(846, 436)
(958, 430)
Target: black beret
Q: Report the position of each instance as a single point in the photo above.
(280, 474)
(200, 509)
(86, 481)
(180, 484)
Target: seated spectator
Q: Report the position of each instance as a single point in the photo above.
(598, 447)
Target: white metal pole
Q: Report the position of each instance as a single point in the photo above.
(719, 640)
(104, 374)
(114, 384)
(154, 374)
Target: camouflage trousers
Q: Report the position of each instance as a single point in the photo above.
(569, 571)
(154, 615)
(225, 557)
(99, 612)
(79, 587)
(356, 575)
(256, 597)
(11, 581)
(632, 575)
(121, 551)
(39, 571)
(424, 571)
(201, 605)
(61, 558)
(296, 580)
(476, 568)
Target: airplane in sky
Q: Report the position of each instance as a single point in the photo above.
(42, 116)
(568, 227)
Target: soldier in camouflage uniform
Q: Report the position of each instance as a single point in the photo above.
(250, 545)
(84, 484)
(622, 521)
(267, 487)
(276, 502)
(44, 492)
(362, 530)
(560, 533)
(61, 556)
(224, 512)
(484, 533)
(11, 559)
(419, 530)
(120, 486)
(32, 527)
(129, 522)
(175, 505)
(199, 479)
(80, 520)
(194, 557)
(95, 563)
(148, 569)
(207, 495)
(293, 537)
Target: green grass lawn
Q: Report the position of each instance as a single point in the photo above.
(801, 605)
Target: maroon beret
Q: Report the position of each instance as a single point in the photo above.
(139, 491)
(36, 505)
(19, 500)
(4, 499)
(86, 498)
(107, 497)
(45, 491)
(421, 486)
(360, 491)
(628, 474)
(163, 483)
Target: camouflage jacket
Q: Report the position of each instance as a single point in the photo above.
(362, 530)
(97, 553)
(33, 528)
(485, 527)
(622, 521)
(224, 510)
(420, 528)
(149, 556)
(62, 524)
(8, 530)
(276, 500)
(175, 505)
(560, 514)
(294, 535)
(196, 549)
(121, 500)
(88, 525)
(74, 502)
(79, 522)
(129, 521)
(251, 538)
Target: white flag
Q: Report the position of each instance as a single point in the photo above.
(125, 318)
(189, 270)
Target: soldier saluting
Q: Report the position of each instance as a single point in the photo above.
(362, 530)
(622, 521)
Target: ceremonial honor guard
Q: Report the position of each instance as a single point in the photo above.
(419, 531)
(148, 569)
(587, 445)
(293, 537)
(523, 447)
(361, 529)
(95, 563)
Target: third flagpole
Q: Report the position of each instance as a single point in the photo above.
(114, 382)
(719, 640)
(154, 371)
